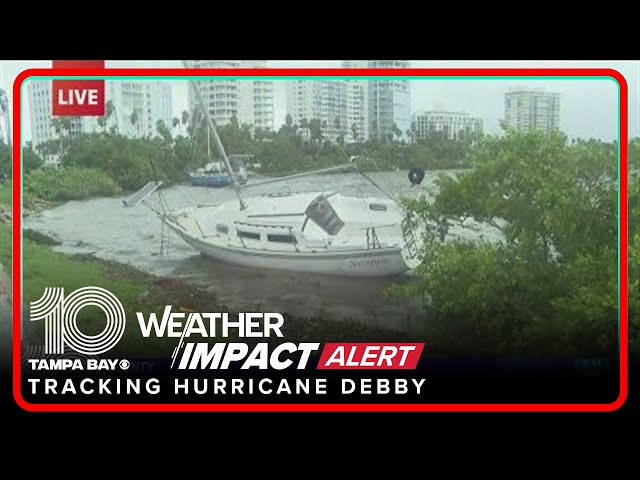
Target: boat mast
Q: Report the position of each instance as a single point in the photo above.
(212, 128)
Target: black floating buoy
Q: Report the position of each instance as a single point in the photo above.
(416, 175)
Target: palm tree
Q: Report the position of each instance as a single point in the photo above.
(396, 132)
(58, 127)
(102, 122)
(414, 131)
(185, 121)
(133, 118)
(315, 129)
(374, 129)
(111, 110)
(162, 130)
(174, 123)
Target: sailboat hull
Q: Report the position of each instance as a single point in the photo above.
(367, 263)
(305, 232)
(215, 180)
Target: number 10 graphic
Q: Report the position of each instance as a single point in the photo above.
(60, 312)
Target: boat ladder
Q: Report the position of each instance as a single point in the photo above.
(372, 238)
(409, 237)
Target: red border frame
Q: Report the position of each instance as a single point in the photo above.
(494, 72)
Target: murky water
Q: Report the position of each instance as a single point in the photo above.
(135, 236)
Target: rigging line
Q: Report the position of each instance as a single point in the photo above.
(379, 187)
(364, 204)
(366, 177)
(194, 137)
(389, 189)
(162, 203)
(188, 200)
(195, 88)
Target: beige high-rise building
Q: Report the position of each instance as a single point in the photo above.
(324, 100)
(388, 101)
(454, 124)
(250, 100)
(532, 108)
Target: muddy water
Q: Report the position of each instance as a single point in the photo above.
(135, 236)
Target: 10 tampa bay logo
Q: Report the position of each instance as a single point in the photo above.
(60, 312)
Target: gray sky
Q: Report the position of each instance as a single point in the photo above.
(589, 108)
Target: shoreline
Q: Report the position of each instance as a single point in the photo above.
(146, 292)
(155, 291)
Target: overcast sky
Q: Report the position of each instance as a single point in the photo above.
(589, 107)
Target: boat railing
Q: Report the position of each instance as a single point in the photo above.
(261, 225)
(372, 238)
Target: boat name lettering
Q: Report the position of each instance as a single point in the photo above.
(369, 262)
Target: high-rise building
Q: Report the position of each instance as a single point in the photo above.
(532, 109)
(357, 111)
(388, 101)
(43, 126)
(319, 100)
(357, 104)
(455, 124)
(151, 100)
(250, 100)
(256, 99)
(354, 109)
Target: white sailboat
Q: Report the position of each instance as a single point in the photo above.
(319, 232)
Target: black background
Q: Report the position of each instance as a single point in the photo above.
(329, 35)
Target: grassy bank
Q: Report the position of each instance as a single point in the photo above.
(5, 193)
(5, 229)
(69, 183)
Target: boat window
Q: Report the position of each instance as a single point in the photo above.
(222, 228)
(283, 238)
(378, 206)
(252, 235)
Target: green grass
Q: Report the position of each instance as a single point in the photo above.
(5, 193)
(137, 292)
(5, 247)
(141, 292)
(44, 267)
(5, 229)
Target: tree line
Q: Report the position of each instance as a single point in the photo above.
(183, 145)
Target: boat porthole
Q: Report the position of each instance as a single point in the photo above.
(378, 207)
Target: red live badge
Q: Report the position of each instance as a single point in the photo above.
(78, 97)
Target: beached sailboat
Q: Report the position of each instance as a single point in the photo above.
(214, 174)
(320, 232)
